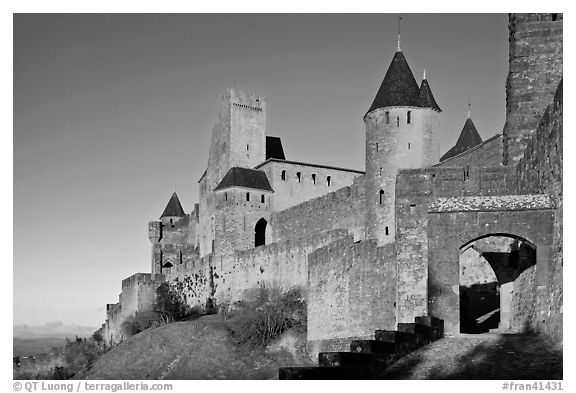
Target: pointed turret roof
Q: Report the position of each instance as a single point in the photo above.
(426, 98)
(399, 88)
(173, 208)
(469, 138)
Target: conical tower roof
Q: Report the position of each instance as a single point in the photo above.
(426, 98)
(469, 138)
(173, 208)
(399, 88)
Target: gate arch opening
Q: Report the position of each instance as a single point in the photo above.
(495, 272)
(260, 232)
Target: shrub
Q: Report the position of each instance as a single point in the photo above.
(265, 316)
(78, 355)
(169, 305)
(140, 322)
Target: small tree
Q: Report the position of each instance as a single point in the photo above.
(168, 303)
(97, 337)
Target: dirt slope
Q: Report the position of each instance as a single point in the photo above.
(198, 349)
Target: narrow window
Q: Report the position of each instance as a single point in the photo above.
(380, 171)
(262, 198)
(171, 222)
(387, 115)
(247, 147)
(283, 175)
(408, 145)
(376, 147)
(225, 196)
(409, 117)
(381, 195)
(247, 197)
(386, 231)
(397, 121)
(329, 180)
(313, 179)
(299, 176)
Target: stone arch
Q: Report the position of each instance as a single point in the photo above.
(260, 231)
(452, 231)
(489, 268)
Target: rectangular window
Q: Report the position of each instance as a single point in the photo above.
(409, 117)
(387, 115)
(247, 197)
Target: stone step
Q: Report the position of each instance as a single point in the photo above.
(311, 373)
(345, 359)
(432, 321)
(382, 347)
(429, 332)
(394, 336)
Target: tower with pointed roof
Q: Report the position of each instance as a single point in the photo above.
(172, 236)
(173, 211)
(401, 132)
(468, 139)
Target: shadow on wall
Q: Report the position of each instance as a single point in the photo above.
(479, 308)
(525, 356)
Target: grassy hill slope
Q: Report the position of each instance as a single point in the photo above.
(197, 349)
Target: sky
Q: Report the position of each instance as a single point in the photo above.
(111, 113)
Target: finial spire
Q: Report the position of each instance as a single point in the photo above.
(399, 19)
(424, 76)
(468, 108)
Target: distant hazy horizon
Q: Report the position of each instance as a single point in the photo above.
(112, 111)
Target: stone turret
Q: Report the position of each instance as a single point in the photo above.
(173, 211)
(468, 139)
(401, 132)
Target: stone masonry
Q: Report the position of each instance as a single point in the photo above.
(376, 249)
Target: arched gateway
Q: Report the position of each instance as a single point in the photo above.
(513, 234)
(260, 233)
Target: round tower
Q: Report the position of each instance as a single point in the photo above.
(401, 133)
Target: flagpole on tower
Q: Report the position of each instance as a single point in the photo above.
(399, 19)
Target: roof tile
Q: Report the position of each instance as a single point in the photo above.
(245, 177)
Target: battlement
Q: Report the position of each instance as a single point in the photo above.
(455, 181)
(112, 310)
(244, 99)
(141, 278)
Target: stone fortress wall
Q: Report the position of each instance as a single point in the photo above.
(295, 183)
(371, 259)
